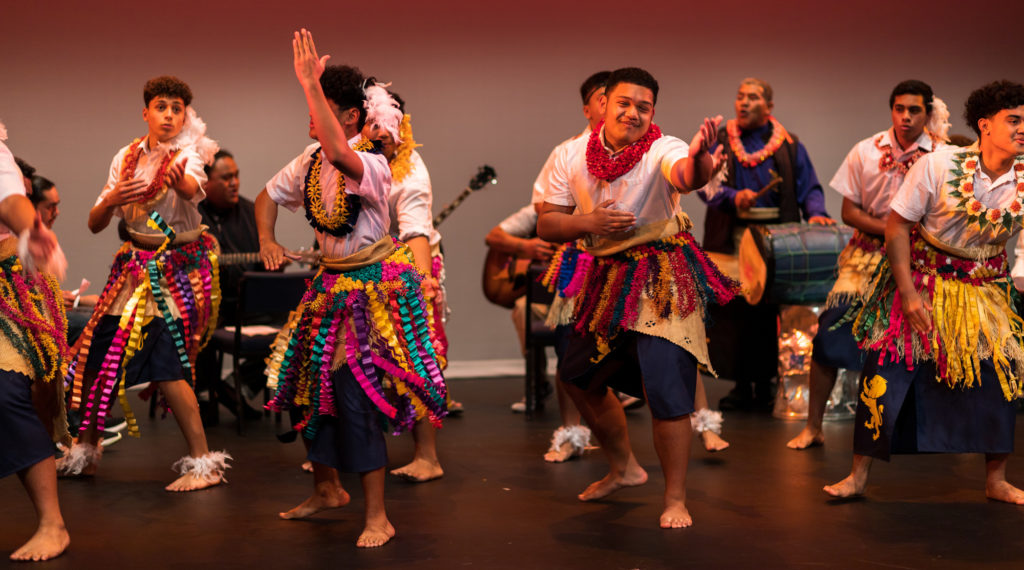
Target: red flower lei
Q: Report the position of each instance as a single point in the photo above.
(779, 135)
(157, 187)
(606, 168)
(888, 162)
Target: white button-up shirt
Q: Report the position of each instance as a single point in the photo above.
(288, 187)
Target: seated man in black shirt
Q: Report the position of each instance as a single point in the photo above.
(232, 221)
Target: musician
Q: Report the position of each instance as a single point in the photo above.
(516, 236)
(757, 149)
(944, 361)
(232, 220)
(867, 179)
(635, 287)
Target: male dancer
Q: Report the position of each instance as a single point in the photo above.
(159, 306)
(32, 351)
(867, 180)
(409, 207)
(637, 287)
(359, 344)
(944, 359)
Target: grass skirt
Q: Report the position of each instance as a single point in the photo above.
(368, 318)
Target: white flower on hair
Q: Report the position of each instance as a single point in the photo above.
(193, 133)
(938, 125)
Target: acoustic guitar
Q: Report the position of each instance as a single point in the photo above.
(504, 278)
(305, 256)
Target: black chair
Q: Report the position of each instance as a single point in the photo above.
(538, 338)
(261, 295)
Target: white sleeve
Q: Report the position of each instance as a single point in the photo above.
(286, 187)
(414, 200)
(1018, 265)
(11, 181)
(112, 176)
(847, 180)
(918, 191)
(522, 224)
(540, 185)
(558, 189)
(194, 168)
(672, 150)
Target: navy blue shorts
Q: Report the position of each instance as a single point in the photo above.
(156, 361)
(640, 365)
(24, 441)
(354, 441)
(836, 348)
(903, 411)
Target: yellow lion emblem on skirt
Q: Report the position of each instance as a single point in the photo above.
(874, 389)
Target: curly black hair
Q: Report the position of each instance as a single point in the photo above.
(988, 100)
(168, 86)
(913, 87)
(633, 75)
(343, 84)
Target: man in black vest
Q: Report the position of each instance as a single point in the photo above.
(757, 150)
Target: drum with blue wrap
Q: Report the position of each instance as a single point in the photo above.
(790, 264)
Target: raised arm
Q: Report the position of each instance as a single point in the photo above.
(308, 69)
(696, 169)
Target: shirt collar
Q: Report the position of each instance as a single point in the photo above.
(608, 149)
(924, 142)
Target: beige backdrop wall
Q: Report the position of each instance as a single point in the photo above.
(491, 83)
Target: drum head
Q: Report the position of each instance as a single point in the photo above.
(753, 269)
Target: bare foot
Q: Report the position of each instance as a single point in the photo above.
(563, 453)
(676, 516)
(190, 482)
(807, 438)
(419, 471)
(318, 501)
(852, 486)
(1005, 492)
(712, 441)
(633, 477)
(307, 466)
(48, 542)
(376, 534)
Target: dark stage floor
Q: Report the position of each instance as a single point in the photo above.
(500, 505)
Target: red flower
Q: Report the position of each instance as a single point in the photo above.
(994, 215)
(974, 206)
(1018, 167)
(971, 164)
(967, 188)
(1015, 207)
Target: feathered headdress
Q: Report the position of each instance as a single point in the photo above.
(193, 132)
(383, 110)
(939, 123)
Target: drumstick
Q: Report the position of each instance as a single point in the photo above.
(775, 181)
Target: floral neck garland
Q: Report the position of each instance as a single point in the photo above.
(401, 163)
(779, 135)
(604, 167)
(888, 162)
(345, 211)
(158, 187)
(965, 164)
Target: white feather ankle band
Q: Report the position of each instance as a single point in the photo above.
(706, 420)
(209, 467)
(578, 436)
(80, 456)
